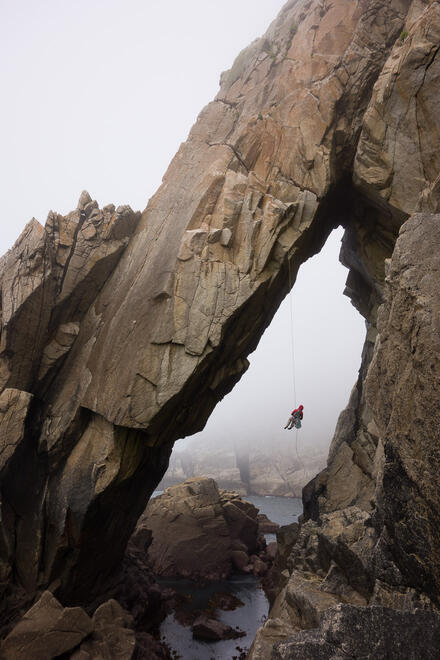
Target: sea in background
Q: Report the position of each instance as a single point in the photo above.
(247, 588)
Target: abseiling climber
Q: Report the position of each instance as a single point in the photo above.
(295, 418)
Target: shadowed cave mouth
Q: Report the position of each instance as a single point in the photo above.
(327, 336)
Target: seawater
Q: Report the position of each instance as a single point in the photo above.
(282, 510)
(249, 617)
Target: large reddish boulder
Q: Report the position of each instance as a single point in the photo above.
(196, 528)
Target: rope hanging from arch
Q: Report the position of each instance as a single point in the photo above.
(293, 357)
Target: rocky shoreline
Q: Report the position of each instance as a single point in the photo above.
(213, 534)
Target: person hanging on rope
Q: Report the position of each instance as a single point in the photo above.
(295, 418)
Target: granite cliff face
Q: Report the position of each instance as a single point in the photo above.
(120, 331)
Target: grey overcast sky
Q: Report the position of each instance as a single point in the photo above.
(98, 95)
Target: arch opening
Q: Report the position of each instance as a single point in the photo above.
(245, 432)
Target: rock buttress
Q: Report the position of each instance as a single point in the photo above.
(371, 527)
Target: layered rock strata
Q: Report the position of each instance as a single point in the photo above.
(384, 551)
(121, 332)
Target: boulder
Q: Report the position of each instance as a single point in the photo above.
(271, 550)
(266, 526)
(49, 630)
(259, 567)
(242, 519)
(112, 637)
(46, 631)
(213, 630)
(366, 632)
(194, 528)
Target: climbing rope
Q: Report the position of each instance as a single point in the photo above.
(293, 359)
(292, 332)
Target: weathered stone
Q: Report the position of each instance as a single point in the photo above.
(112, 636)
(366, 632)
(266, 526)
(226, 237)
(274, 630)
(84, 199)
(271, 550)
(241, 518)
(215, 235)
(397, 159)
(14, 406)
(259, 567)
(46, 631)
(193, 527)
(58, 347)
(405, 370)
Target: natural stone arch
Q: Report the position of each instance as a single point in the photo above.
(265, 175)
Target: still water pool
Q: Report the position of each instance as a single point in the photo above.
(249, 617)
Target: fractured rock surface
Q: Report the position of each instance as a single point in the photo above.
(366, 632)
(385, 551)
(386, 554)
(121, 332)
(48, 631)
(199, 532)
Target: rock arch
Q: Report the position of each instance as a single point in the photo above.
(121, 331)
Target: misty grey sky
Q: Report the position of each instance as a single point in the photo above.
(328, 336)
(98, 95)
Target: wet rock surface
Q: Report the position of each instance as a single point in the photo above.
(366, 632)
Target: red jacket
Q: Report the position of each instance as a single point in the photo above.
(298, 410)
